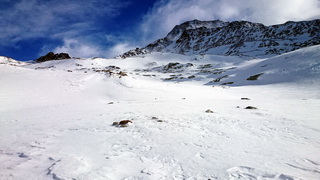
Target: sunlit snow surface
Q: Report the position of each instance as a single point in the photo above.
(56, 118)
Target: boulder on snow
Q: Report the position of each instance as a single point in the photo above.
(115, 123)
(209, 111)
(123, 123)
(51, 56)
(245, 98)
(251, 107)
(254, 77)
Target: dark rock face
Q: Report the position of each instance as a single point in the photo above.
(135, 52)
(254, 77)
(240, 38)
(51, 56)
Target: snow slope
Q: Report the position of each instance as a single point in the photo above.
(10, 61)
(57, 118)
(301, 66)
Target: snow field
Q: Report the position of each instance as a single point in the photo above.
(58, 124)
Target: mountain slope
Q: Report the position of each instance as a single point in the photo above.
(196, 116)
(241, 38)
(301, 66)
(56, 119)
(10, 61)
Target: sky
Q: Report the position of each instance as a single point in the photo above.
(107, 28)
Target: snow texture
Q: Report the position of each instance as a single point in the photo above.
(56, 118)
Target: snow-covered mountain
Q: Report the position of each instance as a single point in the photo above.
(193, 117)
(240, 38)
(174, 110)
(10, 61)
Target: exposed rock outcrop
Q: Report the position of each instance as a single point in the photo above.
(52, 56)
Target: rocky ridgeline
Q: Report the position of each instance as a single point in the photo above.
(52, 56)
(239, 38)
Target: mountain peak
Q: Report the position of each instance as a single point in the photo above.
(239, 38)
(194, 24)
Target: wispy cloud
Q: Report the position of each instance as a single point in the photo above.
(76, 48)
(88, 28)
(64, 19)
(118, 49)
(168, 13)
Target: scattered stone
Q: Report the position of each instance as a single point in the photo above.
(191, 77)
(123, 125)
(245, 98)
(254, 77)
(69, 71)
(251, 107)
(22, 155)
(113, 67)
(209, 111)
(172, 66)
(121, 73)
(125, 122)
(111, 103)
(45, 67)
(149, 75)
(115, 123)
(155, 118)
(238, 106)
(226, 83)
(170, 78)
(146, 171)
(205, 66)
(219, 79)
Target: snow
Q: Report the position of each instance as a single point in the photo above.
(239, 38)
(57, 119)
(299, 66)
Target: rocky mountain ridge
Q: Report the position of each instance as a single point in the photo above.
(52, 56)
(239, 38)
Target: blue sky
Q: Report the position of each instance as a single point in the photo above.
(106, 28)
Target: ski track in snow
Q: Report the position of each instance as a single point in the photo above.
(57, 125)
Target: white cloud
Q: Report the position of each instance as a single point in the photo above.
(76, 48)
(26, 19)
(80, 24)
(168, 13)
(118, 49)
(80, 48)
